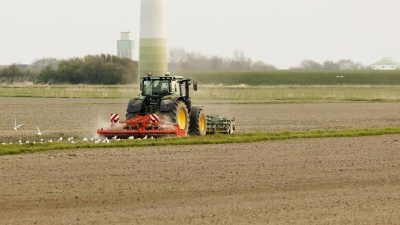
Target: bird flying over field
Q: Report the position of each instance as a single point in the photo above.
(17, 127)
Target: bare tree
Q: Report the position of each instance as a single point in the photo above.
(180, 60)
(330, 65)
(261, 66)
(177, 57)
(310, 65)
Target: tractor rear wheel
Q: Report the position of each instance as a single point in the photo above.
(198, 122)
(180, 115)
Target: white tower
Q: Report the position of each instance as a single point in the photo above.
(153, 38)
(125, 46)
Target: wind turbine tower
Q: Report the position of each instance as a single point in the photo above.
(153, 38)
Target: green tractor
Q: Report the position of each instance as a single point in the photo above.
(164, 108)
(168, 97)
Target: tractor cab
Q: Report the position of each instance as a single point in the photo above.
(161, 86)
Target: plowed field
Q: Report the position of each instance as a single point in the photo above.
(313, 181)
(84, 116)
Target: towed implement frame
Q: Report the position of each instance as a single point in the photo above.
(141, 126)
(217, 124)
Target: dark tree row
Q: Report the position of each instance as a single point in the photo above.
(108, 69)
(100, 69)
(92, 69)
(15, 73)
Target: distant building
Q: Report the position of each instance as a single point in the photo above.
(125, 46)
(385, 64)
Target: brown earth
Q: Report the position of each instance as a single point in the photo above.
(314, 181)
(84, 116)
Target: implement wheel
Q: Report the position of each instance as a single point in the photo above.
(231, 129)
(198, 122)
(180, 115)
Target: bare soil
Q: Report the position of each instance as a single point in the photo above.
(84, 116)
(313, 181)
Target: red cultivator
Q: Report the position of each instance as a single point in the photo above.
(141, 126)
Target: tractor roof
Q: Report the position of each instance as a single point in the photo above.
(164, 77)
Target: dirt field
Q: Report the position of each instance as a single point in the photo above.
(84, 116)
(314, 181)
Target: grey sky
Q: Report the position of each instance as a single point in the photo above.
(280, 32)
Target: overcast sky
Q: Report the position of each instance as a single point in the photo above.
(279, 32)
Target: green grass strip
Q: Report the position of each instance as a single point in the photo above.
(207, 140)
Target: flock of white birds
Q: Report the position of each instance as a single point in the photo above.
(71, 140)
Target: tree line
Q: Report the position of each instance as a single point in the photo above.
(100, 69)
(182, 61)
(15, 73)
(109, 69)
(343, 64)
(92, 69)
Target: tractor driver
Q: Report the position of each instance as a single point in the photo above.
(161, 87)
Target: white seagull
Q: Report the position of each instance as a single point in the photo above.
(39, 132)
(17, 127)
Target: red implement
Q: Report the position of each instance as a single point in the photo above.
(141, 126)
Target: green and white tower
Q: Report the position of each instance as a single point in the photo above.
(125, 46)
(153, 38)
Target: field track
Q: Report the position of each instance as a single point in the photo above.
(313, 181)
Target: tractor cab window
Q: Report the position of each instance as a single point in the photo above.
(183, 89)
(177, 89)
(156, 87)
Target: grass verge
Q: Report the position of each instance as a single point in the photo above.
(214, 139)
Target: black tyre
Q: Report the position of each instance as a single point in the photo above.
(198, 122)
(180, 115)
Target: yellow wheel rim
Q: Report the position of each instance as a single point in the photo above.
(202, 123)
(182, 119)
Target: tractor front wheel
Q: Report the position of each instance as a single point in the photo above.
(180, 115)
